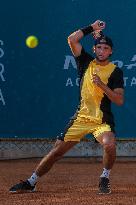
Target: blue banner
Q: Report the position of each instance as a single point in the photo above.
(39, 86)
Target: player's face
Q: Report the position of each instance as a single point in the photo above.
(102, 51)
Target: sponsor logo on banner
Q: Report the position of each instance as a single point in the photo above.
(128, 81)
(2, 70)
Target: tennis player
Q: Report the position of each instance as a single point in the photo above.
(101, 83)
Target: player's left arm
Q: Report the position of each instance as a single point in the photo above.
(116, 95)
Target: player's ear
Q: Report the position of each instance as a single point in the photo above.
(110, 53)
(93, 49)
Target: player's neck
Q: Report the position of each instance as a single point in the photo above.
(102, 63)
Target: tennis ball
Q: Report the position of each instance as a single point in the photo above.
(32, 41)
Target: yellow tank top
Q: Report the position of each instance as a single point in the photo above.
(91, 94)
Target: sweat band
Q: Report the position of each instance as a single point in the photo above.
(87, 30)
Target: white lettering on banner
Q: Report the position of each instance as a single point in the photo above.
(130, 66)
(69, 82)
(118, 63)
(1, 53)
(2, 98)
(125, 81)
(68, 60)
(133, 81)
(2, 70)
(128, 81)
(77, 81)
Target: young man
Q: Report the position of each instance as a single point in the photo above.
(101, 83)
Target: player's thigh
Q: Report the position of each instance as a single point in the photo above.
(62, 146)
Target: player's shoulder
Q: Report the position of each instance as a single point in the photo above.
(84, 55)
(117, 76)
(117, 70)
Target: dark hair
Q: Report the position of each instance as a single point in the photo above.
(104, 40)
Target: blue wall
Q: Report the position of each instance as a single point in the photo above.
(38, 88)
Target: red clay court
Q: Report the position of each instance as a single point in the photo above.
(70, 182)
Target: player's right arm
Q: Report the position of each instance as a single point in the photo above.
(74, 38)
(74, 42)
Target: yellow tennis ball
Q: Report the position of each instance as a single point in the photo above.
(32, 41)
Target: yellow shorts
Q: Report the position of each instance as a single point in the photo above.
(81, 127)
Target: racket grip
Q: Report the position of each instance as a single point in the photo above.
(101, 23)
